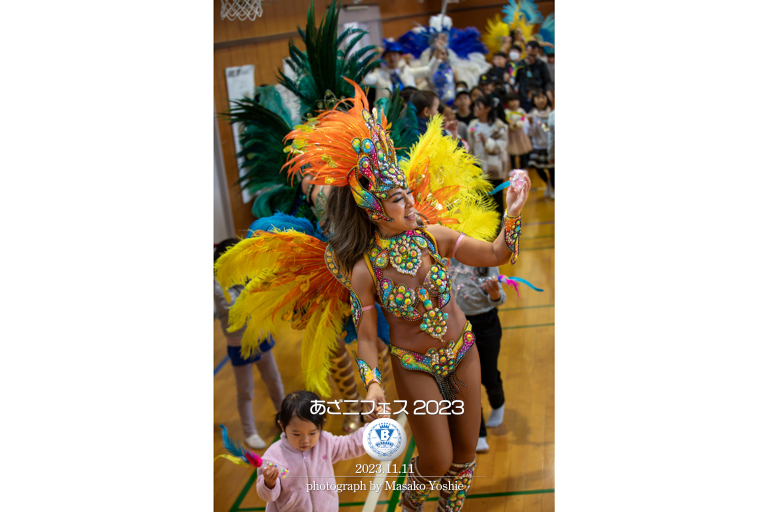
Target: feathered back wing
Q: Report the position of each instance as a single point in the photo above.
(286, 280)
(448, 186)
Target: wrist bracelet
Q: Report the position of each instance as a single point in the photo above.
(512, 234)
(368, 374)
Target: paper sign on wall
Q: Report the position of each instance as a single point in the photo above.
(240, 83)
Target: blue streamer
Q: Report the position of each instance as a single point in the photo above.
(500, 188)
(521, 280)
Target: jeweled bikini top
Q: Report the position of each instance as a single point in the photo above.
(403, 252)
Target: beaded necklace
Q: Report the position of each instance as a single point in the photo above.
(403, 252)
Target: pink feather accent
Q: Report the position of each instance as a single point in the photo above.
(509, 282)
(253, 459)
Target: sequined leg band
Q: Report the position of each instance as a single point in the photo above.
(455, 486)
(512, 234)
(417, 488)
(368, 374)
(441, 363)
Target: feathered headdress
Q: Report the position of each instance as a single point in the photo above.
(352, 149)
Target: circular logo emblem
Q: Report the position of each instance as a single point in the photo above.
(384, 439)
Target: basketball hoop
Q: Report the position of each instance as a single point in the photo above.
(241, 9)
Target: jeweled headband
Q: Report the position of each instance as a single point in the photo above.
(352, 149)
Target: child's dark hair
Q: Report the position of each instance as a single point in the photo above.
(461, 83)
(512, 96)
(473, 90)
(222, 247)
(539, 92)
(422, 100)
(500, 54)
(487, 100)
(299, 405)
(407, 92)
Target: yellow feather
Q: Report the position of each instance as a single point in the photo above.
(495, 30)
(317, 348)
(449, 165)
(279, 288)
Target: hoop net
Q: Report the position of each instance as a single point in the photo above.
(241, 9)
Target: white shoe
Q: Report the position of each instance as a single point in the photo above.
(548, 191)
(495, 418)
(552, 194)
(256, 442)
(482, 445)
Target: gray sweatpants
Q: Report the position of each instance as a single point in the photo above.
(244, 379)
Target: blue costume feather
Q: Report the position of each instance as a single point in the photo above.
(414, 42)
(462, 41)
(281, 222)
(547, 33)
(526, 7)
(465, 41)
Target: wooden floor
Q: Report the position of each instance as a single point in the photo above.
(518, 472)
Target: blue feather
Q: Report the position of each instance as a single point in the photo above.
(415, 42)
(234, 448)
(281, 222)
(547, 32)
(466, 41)
(529, 9)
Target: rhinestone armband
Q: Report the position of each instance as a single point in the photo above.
(368, 374)
(512, 234)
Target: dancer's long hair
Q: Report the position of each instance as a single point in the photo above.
(351, 228)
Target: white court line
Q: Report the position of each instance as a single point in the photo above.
(373, 496)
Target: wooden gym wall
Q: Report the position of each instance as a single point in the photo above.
(264, 43)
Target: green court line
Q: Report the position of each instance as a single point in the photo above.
(525, 326)
(243, 493)
(501, 494)
(395, 498)
(528, 307)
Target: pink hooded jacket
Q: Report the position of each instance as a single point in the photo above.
(313, 467)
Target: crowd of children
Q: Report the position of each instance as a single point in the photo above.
(506, 121)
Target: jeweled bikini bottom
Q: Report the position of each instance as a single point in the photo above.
(441, 362)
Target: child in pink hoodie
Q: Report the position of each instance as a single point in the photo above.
(297, 473)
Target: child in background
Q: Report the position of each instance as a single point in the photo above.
(442, 80)
(519, 146)
(463, 105)
(243, 368)
(515, 57)
(538, 126)
(500, 69)
(308, 453)
(475, 93)
(479, 294)
(488, 142)
(427, 104)
(450, 119)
